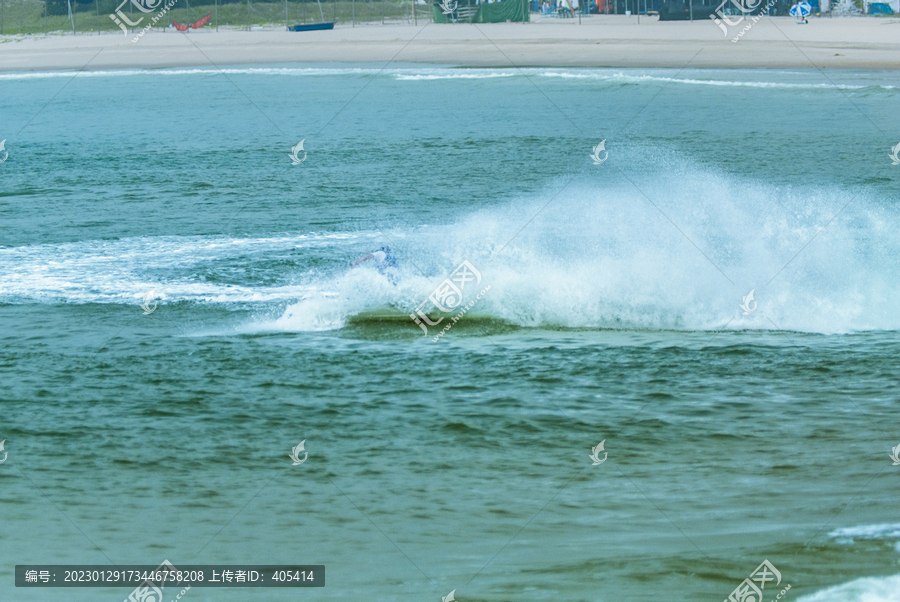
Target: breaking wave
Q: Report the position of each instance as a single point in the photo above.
(867, 589)
(678, 250)
(721, 78)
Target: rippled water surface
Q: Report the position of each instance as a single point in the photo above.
(612, 313)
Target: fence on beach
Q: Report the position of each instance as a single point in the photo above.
(93, 16)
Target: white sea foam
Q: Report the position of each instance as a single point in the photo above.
(467, 74)
(868, 589)
(288, 71)
(675, 256)
(633, 77)
(122, 271)
(450, 73)
(356, 291)
(680, 253)
(878, 531)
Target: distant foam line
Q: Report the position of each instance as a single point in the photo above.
(879, 531)
(713, 82)
(153, 246)
(749, 84)
(438, 76)
(433, 74)
(624, 78)
(193, 71)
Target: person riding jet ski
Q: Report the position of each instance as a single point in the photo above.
(384, 262)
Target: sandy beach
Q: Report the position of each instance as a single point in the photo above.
(598, 41)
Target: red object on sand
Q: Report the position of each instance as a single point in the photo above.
(200, 23)
(180, 26)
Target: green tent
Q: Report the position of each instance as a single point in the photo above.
(496, 12)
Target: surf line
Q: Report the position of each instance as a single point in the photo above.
(154, 20)
(754, 18)
(459, 316)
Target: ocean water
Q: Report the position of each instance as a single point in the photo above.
(612, 312)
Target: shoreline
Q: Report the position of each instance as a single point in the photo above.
(599, 41)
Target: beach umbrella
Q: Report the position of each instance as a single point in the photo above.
(801, 9)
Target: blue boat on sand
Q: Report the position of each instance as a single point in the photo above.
(313, 27)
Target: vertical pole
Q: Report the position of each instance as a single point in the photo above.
(353, 13)
(382, 12)
(217, 15)
(692, 11)
(414, 12)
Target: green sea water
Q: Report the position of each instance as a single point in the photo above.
(735, 429)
